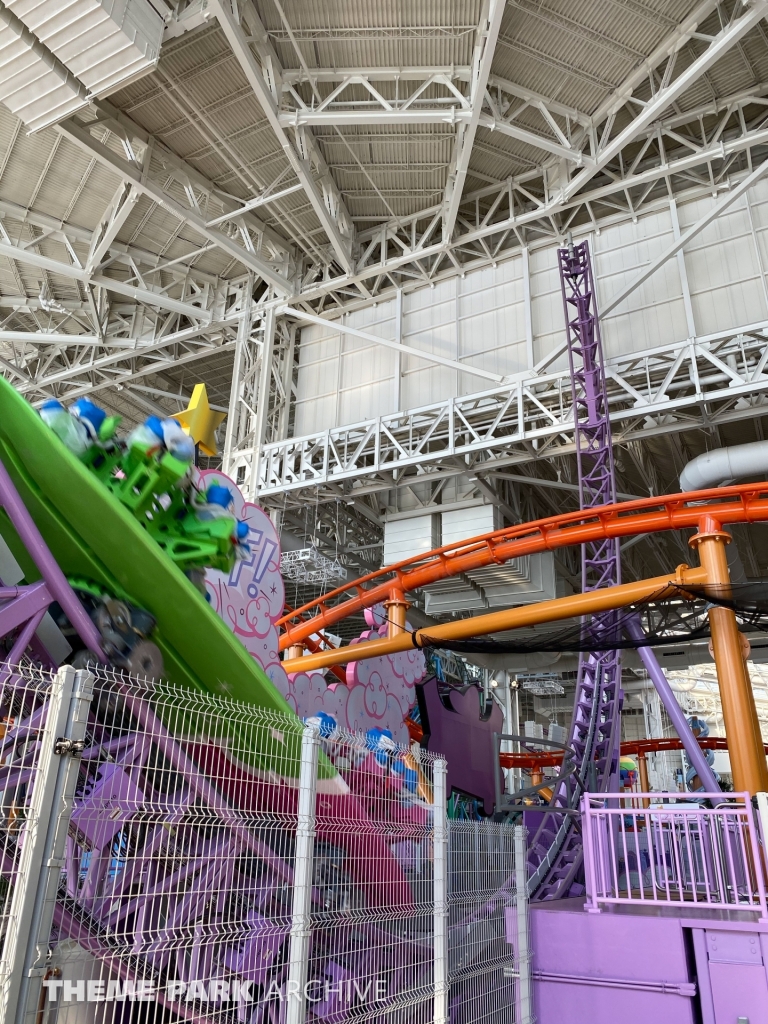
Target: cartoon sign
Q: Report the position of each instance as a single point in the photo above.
(250, 599)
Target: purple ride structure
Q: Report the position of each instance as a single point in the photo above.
(555, 851)
(555, 854)
(683, 886)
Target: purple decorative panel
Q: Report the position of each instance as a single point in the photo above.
(453, 726)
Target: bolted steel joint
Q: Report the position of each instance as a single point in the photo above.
(66, 746)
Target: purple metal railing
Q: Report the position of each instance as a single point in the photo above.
(678, 853)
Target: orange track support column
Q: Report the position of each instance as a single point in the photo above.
(745, 743)
(396, 608)
(642, 769)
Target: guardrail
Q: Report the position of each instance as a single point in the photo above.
(653, 849)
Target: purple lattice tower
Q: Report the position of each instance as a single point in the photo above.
(556, 853)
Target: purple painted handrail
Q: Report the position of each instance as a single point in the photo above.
(676, 853)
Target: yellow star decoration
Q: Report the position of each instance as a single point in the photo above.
(199, 421)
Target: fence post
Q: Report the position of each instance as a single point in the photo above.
(762, 813)
(440, 861)
(521, 914)
(42, 853)
(590, 868)
(761, 862)
(303, 876)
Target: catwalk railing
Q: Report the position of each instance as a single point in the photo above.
(530, 415)
(653, 849)
(235, 865)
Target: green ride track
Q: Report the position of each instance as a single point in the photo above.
(93, 536)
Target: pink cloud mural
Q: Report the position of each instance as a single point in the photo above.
(251, 597)
(250, 600)
(378, 693)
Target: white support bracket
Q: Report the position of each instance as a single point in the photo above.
(42, 854)
(440, 867)
(522, 946)
(122, 206)
(303, 876)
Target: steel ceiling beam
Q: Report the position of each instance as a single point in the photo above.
(137, 176)
(437, 115)
(96, 372)
(411, 73)
(111, 224)
(456, 73)
(421, 105)
(551, 208)
(126, 375)
(533, 217)
(401, 258)
(49, 338)
(120, 252)
(26, 304)
(27, 255)
(485, 46)
(669, 92)
(337, 223)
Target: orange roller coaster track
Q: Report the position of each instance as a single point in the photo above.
(744, 503)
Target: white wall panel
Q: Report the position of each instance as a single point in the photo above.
(480, 319)
(654, 314)
(492, 320)
(723, 269)
(546, 303)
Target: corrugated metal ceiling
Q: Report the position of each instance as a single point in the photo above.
(199, 105)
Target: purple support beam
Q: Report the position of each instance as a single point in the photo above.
(23, 603)
(56, 582)
(596, 723)
(595, 735)
(673, 709)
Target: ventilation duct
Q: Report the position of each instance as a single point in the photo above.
(34, 85)
(72, 50)
(720, 467)
(723, 465)
(104, 43)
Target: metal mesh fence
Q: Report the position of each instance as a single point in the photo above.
(373, 923)
(22, 718)
(219, 862)
(486, 952)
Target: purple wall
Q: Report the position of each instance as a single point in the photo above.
(629, 968)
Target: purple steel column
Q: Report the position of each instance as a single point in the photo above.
(673, 709)
(595, 727)
(57, 583)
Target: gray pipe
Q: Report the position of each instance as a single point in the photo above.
(723, 465)
(673, 709)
